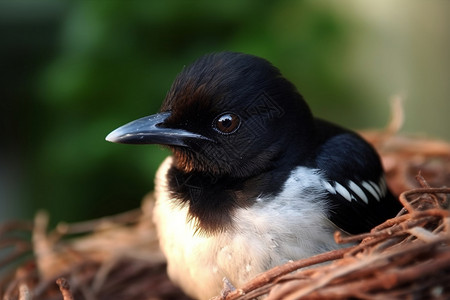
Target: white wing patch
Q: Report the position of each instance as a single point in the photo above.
(371, 190)
(328, 187)
(343, 191)
(363, 190)
(358, 191)
(377, 188)
(383, 186)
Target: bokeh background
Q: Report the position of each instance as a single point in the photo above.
(72, 71)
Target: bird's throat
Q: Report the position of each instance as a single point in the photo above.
(211, 199)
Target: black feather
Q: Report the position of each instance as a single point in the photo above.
(344, 156)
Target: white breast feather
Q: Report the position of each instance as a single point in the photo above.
(265, 235)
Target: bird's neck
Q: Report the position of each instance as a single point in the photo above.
(212, 200)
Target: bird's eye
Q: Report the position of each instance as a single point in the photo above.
(227, 123)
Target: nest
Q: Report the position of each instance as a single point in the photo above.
(118, 257)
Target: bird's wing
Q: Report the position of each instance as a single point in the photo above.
(358, 196)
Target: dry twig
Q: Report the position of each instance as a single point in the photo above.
(64, 287)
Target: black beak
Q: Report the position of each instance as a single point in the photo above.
(151, 130)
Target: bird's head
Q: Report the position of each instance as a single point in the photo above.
(226, 114)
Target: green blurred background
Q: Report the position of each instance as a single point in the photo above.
(73, 71)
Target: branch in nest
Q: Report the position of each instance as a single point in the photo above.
(64, 287)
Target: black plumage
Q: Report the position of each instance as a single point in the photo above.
(243, 139)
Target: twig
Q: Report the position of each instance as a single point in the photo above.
(102, 223)
(397, 115)
(366, 265)
(15, 226)
(278, 271)
(403, 197)
(20, 248)
(24, 292)
(385, 281)
(64, 287)
(423, 234)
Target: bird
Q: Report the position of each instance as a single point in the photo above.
(254, 179)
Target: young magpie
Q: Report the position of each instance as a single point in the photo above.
(255, 180)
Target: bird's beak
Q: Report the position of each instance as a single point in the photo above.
(151, 130)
